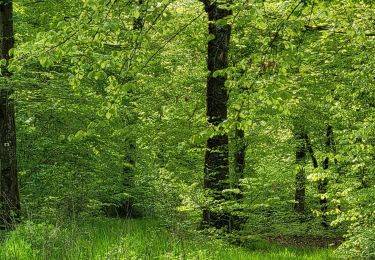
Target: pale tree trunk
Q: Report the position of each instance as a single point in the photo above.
(216, 168)
(9, 192)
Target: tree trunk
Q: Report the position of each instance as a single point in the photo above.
(6, 29)
(239, 156)
(216, 168)
(139, 21)
(9, 193)
(238, 218)
(311, 152)
(10, 204)
(127, 208)
(300, 191)
(322, 184)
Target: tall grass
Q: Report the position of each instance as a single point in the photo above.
(132, 239)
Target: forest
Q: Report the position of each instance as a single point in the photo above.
(187, 129)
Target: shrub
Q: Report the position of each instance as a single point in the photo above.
(360, 244)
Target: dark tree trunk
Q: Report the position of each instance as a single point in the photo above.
(239, 156)
(322, 184)
(6, 30)
(238, 217)
(139, 21)
(9, 193)
(10, 204)
(127, 209)
(216, 170)
(311, 152)
(301, 152)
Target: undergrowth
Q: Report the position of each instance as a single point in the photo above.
(133, 239)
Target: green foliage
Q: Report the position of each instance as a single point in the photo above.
(88, 84)
(360, 244)
(30, 241)
(129, 239)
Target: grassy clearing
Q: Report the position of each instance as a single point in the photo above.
(132, 239)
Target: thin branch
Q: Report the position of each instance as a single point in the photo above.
(326, 28)
(137, 43)
(180, 30)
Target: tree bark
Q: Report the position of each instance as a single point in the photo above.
(239, 156)
(311, 152)
(10, 204)
(216, 168)
(6, 30)
(323, 184)
(238, 217)
(139, 21)
(9, 192)
(300, 192)
(127, 208)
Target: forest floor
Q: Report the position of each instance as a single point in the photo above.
(134, 239)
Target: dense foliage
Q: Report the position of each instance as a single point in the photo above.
(111, 115)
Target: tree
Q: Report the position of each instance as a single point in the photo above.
(127, 207)
(9, 193)
(216, 178)
(300, 191)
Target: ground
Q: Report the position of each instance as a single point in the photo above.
(136, 239)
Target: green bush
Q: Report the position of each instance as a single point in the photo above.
(359, 245)
(31, 239)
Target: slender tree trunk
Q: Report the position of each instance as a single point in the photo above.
(6, 29)
(322, 184)
(9, 199)
(9, 193)
(127, 208)
(216, 177)
(300, 191)
(239, 156)
(139, 21)
(311, 152)
(238, 218)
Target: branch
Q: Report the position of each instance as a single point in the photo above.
(116, 46)
(326, 28)
(181, 29)
(280, 26)
(311, 151)
(35, 2)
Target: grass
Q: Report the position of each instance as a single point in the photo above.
(133, 239)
